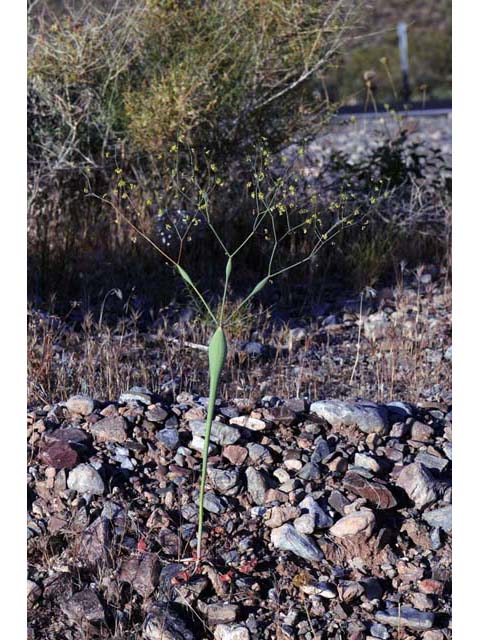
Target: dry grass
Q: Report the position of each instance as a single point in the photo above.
(399, 351)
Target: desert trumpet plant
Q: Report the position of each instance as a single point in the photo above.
(283, 212)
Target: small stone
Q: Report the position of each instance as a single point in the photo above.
(235, 454)
(169, 438)
(430, 586)
(141, 572)
(247, 422)
(321, 519)
(406, 617)
(162, 622)
(418, 483)
(213, 503)
(60, 455)
(220, 433)
(34, 592)
(338, 502)
(310, 471)
(256, 484)
(305, 523)
(433, 634)
(421, 432)
(322, 450)
(360, 522)
(287, 538)
(349, 590)
(85, 479)
(440, 518)
(136, 394)
(231, 632)
(377, 494)
(156, 413)
(112, 429)
(398, 430)
(281, 514)
(275, 495)
(280, 415)
(82, 405)
(367, 462)
(259, 454)
(84, 605)
(421, 601)
(69, 435)
(293, 464)
(368, 417)
(281, 475)
(221, 613)
(432, 462)
(379, 631)
(225, 481)
(197, 444)
(338, 465)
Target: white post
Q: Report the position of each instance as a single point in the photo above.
(403, 47)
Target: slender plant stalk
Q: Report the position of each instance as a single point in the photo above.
(265, 213)
(217, 353)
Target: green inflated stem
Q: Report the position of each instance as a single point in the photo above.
(217, 353)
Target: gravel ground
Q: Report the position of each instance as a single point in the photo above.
(325, 519)
(360, 135)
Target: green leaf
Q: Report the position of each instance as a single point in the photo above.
(184, 275)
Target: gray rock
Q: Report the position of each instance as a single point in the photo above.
(321, 588)
(247, 422)
(367, 461)
(379, 631)
(439, 518)
(169, 438)
(406, 617)
(220, 433)
(197, 443)
(84, 606)
(112, 429)
(157, 414)
(321, 451)
(231, 632)
(447, 447)
(287, 538)
(419, 484)
(225, 481)
(34, 591)
(310, 471)
(359, 522)
(83, 405)
(367, 417)
(321, 520)
(136, 394)
(162, 622)
(399, 410)
(214, 504)
(254, 348)
(85, 479)
(256, 485)
(258, 453)
(432, 462)
(221, 613)
(305, 523)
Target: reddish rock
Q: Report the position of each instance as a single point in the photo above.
(377, 494)
(142, 573)
(235, 454)
(60, 455)
(430, 586)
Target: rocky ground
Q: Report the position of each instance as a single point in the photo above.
(325, 519)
